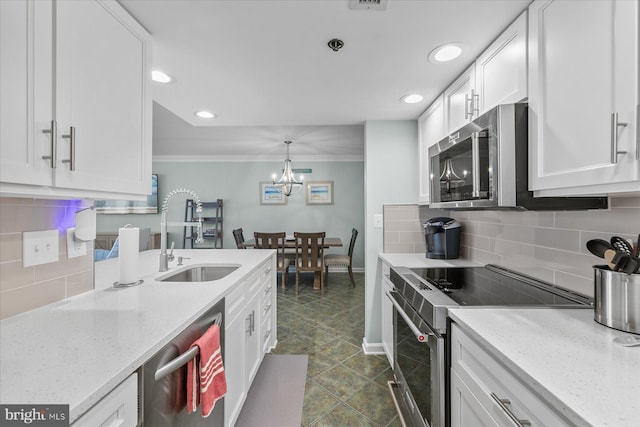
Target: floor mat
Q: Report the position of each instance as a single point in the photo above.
(276, 396)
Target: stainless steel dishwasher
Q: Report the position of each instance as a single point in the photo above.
(165, 377)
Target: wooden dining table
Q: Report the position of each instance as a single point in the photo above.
(289, 244)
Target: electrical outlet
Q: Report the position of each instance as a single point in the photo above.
(39, 247)
(74, 247)
(377, 221)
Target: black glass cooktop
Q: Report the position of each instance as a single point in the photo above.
(478, 286)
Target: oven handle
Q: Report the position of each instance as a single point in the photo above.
(420, 336)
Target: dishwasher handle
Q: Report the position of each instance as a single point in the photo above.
(184, 358)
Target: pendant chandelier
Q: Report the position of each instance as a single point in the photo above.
(287, 183)
(449, 178)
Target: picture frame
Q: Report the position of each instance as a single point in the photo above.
(271, 195)
(319, 193)
(122, 207)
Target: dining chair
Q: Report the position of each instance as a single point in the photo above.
(239, 238)
(275, 241)
(340, 260)
(309, 255)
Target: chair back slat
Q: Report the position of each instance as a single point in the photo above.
(309, 250)
(239, 238)
(352, 243)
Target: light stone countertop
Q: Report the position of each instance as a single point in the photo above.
(566, 357)
(76, 350)
(419, 260)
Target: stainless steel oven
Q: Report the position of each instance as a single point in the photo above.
(421, 299)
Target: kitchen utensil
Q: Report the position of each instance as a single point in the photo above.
(616, 299)
(621, 244)
(627, 341)
(598, 247)
(620, 261)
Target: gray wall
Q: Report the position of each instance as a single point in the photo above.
(390, 175)
(238, 184)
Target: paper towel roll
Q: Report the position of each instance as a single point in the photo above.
(128, 253)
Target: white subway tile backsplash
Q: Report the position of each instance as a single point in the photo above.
(550, 246)
(23, 289)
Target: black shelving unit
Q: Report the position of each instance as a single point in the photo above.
(212, 216)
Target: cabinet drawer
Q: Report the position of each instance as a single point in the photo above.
(118, 408)
(489, 381)
(267, 333)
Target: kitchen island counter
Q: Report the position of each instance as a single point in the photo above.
(76, 350)
(565, 357)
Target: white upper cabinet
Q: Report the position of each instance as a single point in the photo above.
(26, 91)
(430, 131)
(459, 101)
(100, 98)
(583, 97)
(501, 71)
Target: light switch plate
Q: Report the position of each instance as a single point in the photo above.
(377, 221)
(74, 247)
(39, 247)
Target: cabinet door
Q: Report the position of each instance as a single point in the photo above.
(430, 131)
(387, 320)
(102, 94)
(501, 71)
(26, 85)
(234, 368)
(466, 409)
(253, 343)
(583, 71)
(458, 101)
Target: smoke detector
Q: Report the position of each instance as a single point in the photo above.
(368, 4)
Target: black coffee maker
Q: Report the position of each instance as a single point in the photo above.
(442, 235)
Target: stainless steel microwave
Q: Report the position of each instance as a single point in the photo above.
(484, 165)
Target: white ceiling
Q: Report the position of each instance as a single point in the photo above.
(264, 67)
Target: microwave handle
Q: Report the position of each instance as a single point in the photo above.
(475, 169)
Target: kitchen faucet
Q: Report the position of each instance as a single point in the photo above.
(164, 258)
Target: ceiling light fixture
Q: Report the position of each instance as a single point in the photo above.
(413, 98)
(205, 114)
(445, 53)
(160, 77)
(287, 183)
(335, 44)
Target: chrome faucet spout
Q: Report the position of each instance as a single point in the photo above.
(164, 257)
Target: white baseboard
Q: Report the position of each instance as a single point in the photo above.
(371, 348)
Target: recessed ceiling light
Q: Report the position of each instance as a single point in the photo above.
(411, 99)
(445, 53)
(205, 114)
(160, 77)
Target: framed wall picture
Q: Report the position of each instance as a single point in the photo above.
(271, 195)
(319, 193)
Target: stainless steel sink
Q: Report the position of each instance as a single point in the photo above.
(201, 273)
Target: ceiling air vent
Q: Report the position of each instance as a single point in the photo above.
(368, 4)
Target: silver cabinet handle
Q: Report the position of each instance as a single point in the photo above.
(267, 308)
(267, 290)
(267, 271)
(638, 132)
(502, 403)
(467, 103)
(475, 102)
(614, 137)
(54, 139)
(267, 335)
(72, 148)
(249, 331)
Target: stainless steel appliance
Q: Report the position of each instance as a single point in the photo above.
(442, 237)
(485, 165)
(421, 299)
(617, 299)
(165, 378)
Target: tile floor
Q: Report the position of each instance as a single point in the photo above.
(344, 387)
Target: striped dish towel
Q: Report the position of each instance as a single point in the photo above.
(206, 382)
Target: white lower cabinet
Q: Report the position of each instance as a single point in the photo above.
(484, 392)
(245, 344)
(387, 315)
(118, 408)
